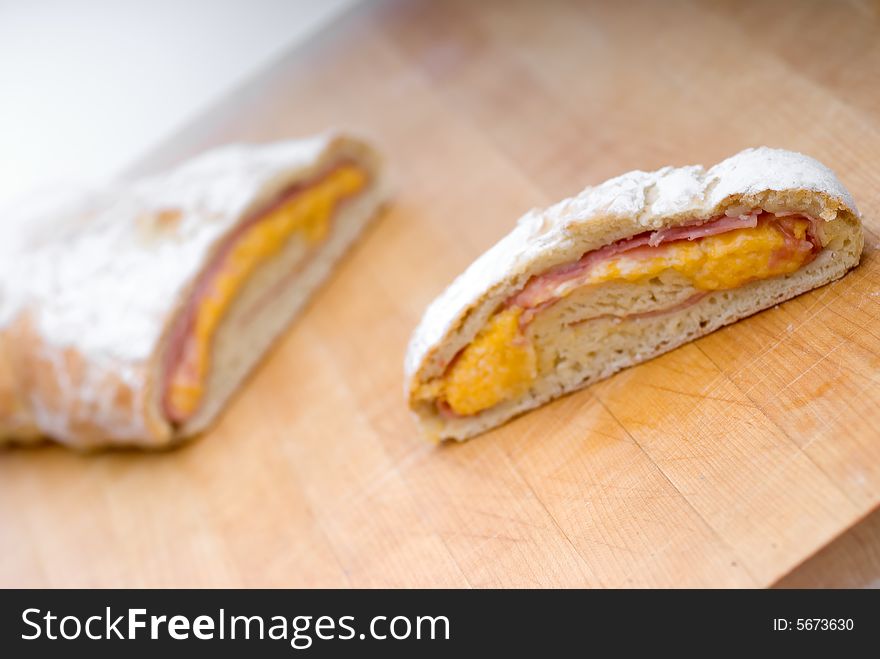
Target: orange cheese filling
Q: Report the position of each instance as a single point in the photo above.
(500, 363)
(497, 365)
(723, 261)
(306, 214)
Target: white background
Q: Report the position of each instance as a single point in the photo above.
(86, 86)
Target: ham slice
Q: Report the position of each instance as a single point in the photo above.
(181, 351)
(689, 302)
(538, 293)
(722, 224)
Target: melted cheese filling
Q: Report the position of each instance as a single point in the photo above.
(500, 363)
(719, 262)
(497, 365)
(306, 214)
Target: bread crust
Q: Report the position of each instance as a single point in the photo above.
(773, 179)
(88, 295)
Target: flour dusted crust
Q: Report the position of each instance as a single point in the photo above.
(88, 292)
(773, 179)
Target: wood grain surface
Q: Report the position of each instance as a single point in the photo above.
(850, 561)
(727, 462)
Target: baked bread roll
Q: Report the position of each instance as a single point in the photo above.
(131, 317)
(621, 273)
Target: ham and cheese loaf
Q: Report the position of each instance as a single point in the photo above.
(621, 273)
(131, 317)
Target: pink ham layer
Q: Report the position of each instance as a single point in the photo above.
(181, 343)
(538, 293)
(689, 302)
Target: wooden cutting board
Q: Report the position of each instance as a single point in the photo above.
(724, 463)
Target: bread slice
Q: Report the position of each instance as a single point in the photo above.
(106, 305)
(482, 355)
